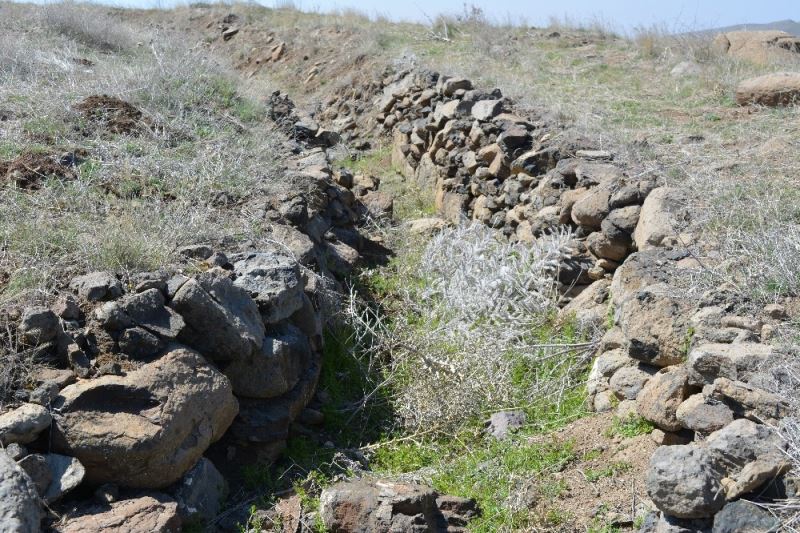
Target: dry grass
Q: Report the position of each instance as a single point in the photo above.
(136, 197)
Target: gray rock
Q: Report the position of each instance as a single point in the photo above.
(35, 465)
(743, 441)
(145, 309)
(20, 506)
(174, 283)
(502, 423)
(222, 320)
(23, 424)
(275, 369)
(138, 343)
(703, 415)
(744, 517)
(97, 286)
(39, 325)
(487, 109)
(708, 362)
(200, 492)
(44, 393)
(16, 451)
(621, 222)
(684, 481)
(627, 382)
(67, 473)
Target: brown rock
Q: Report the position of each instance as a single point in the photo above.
(661, 396)
(758, 47)
(145, 429)
(155, 513)
(604, 247)
(778, 89)
(592, 208)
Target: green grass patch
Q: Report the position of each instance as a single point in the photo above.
(473, 466)
(629, 427)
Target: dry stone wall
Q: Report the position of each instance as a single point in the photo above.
(171, 381)
(687, 365)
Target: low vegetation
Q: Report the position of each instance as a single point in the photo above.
(121, 198)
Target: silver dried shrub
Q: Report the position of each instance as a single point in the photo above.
(474, 307)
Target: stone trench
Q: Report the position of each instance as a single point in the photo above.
(163, 384)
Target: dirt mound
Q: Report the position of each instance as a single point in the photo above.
(113, 114)
(28, 170)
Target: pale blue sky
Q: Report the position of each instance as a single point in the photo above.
(676, 15)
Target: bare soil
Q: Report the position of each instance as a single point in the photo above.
(113, 114)
(604, 487)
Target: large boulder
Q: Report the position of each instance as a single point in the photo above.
(758, 47)
(154, 513)
(274, 282)
(23, 424)
(684, 481)
(145, 429)
(275, 369)
(20, 506)
(363, 506)
(222, 320)
(778, 89)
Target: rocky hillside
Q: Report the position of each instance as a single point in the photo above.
(271, 271)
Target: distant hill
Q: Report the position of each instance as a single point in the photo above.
(789, 26)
